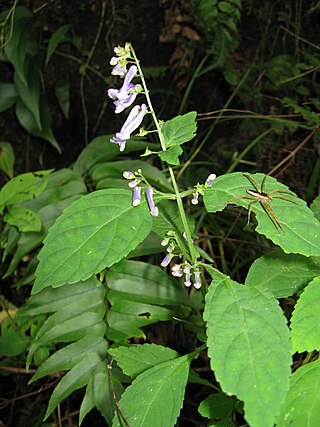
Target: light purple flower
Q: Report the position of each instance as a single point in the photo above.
(128, 175)
(134, 183)
(210, 179)
(186, 270)
(126, 95)
(197, 280)
(164, 242)
(153, 209)
(195, 201)
(136, 196)
(133, 121)
(176, 270)
(119, 69)
(166, 260)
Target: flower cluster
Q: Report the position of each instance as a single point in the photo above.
(178, 270)
(125, 96)
(135, 180)
(199, 188)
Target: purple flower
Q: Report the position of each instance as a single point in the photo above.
(197, 280)
(119, 69)
(153, 209)
(134, 183)
(210, 179)
(136, 196)
(166, 260)
(186, 270)
(194, 201)
(133, 121)
(126, 95)
(128, 175)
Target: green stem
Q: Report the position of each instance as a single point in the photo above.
(182, 213)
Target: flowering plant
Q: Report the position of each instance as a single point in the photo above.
(99, 297)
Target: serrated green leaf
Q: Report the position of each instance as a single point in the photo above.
(171, 155)
(93, 233)
(243, 324)
(8, 96)
(300, 229)
(180, 129)
(23, 187)
(57, 37)
(302, 405)
(135, 359)
(62, 92)
(305, 320)
(287, 273)
(6, 158)
(24, 219)
(156, 395)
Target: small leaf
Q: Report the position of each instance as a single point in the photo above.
(287, 273)
(171, 155)
(57, 37)
(156, 395)
(180, 129)
(93, 233)
(24, 219)
(302, 405)
(300, 229)
(136, 359)
(8, 96)
(243, 324)
(62, 91)
(6, 158)
(305, 321)
(217, 406)
(23, 187)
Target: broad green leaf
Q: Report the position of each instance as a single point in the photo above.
(79, 376)
(93, 233)
(156, 395)
(126, 318)
(99, 394)
(305, 320)
(8, 96)
(135, 359)
(62, 91)
(302, 405)
(12, 340)
(300, 229)
(6, 158)
(24, 219)
(171, 155)
(108, 170)
(101, 150)
(315, 207)
(23, 187)
(68, 357)
(180, 129)
(28, 122)
(218, 407)
(150, 245)
(249, 347)
(287, 273)
(63, 188)
(57, 37)
(145, 283)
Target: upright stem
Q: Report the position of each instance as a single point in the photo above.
(173, 178)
